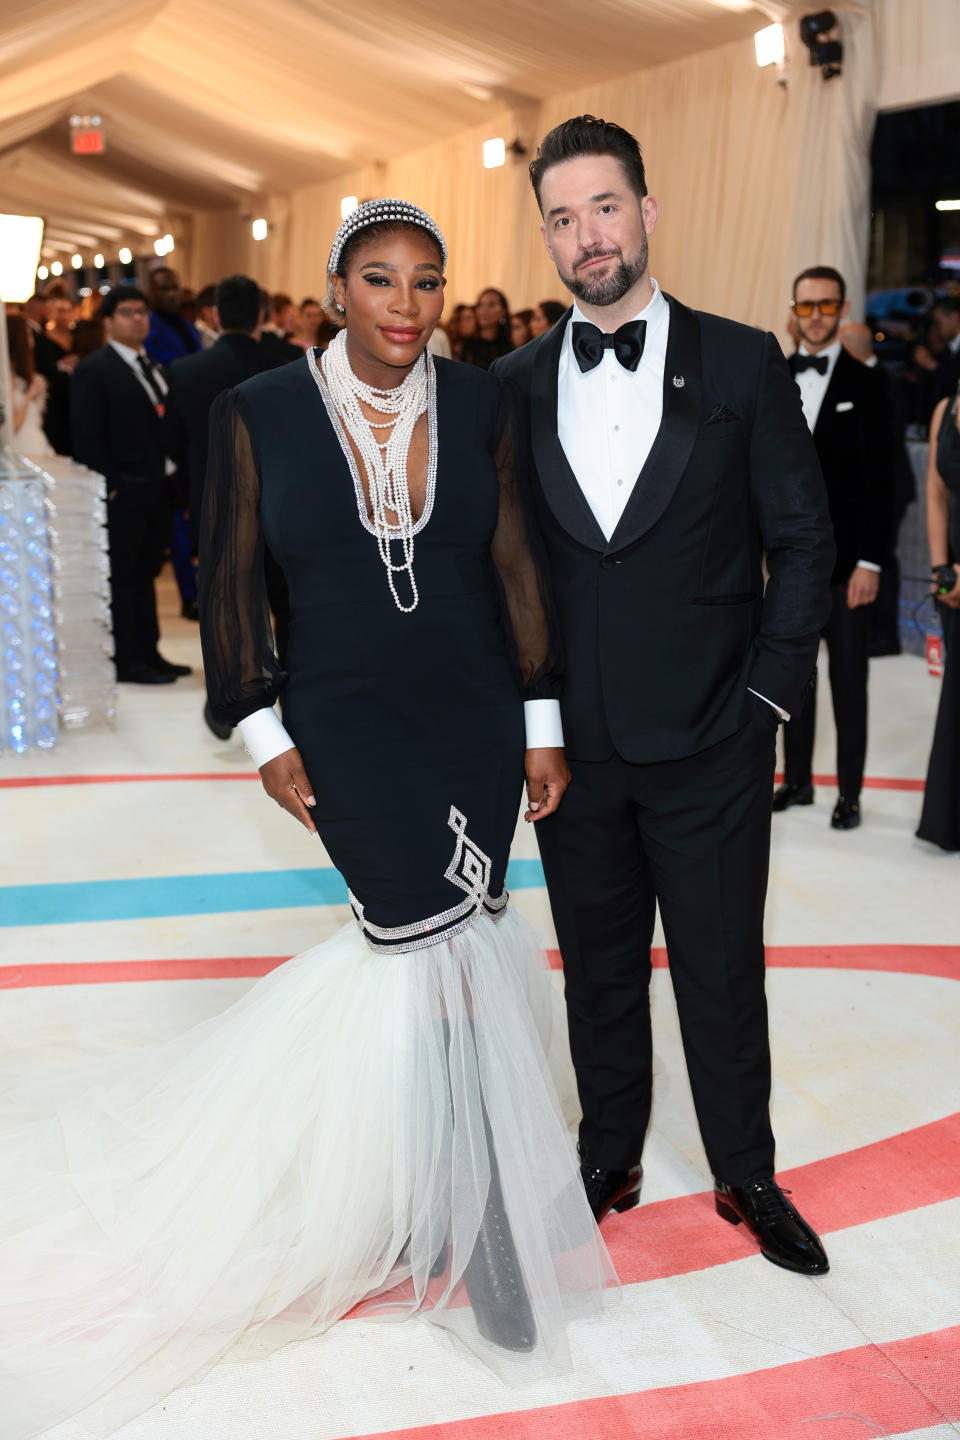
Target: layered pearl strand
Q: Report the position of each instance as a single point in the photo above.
(385, 461)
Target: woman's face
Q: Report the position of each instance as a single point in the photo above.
(310, 319)
(59, 312)
(519, 331)
(392, 296)
(467, 323)
(539, 324)
(490, 309)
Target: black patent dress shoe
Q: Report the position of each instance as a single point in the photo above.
(611, 1189)
(783, 1235)
(498, 1296)
(189, 610)
(158, 663)
(144, 675)
(220, 728)
(787, 795)
(846, 814)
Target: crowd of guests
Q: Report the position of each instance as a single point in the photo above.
(124, 382)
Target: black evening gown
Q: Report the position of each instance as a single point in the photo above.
(940, 818)
(382, 1106)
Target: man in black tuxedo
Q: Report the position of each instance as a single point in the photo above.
(669, 452)
(195, 382)
(117, 402)
(848, 411)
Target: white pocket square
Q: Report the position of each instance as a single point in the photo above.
(845, 405)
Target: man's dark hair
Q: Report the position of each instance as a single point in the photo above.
(822, 272)
(206, 297)
(238, 301)
(947, 304)
(586, 135)
(117, 296)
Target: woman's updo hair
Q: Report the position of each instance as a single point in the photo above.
(370, 220)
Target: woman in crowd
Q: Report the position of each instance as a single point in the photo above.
(310, 317)
(493, 330)
(374, 1123)
(29, 390)
(462, 326)
(520, 327)
(545, 315)
(940, 820)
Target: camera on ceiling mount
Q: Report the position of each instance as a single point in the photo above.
(828, 54)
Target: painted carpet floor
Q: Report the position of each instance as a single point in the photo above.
(134, 904)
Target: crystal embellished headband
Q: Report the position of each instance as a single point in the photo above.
(382, 212)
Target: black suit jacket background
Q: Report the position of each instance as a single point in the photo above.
(667, 624)
(115, 426)
(856, 442)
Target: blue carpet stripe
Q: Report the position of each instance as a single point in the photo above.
(159, 895)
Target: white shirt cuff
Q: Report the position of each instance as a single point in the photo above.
(544, 727)
(869, 565)
(782, 713)
(264, 736)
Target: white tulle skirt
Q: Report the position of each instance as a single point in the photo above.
(305, 1154)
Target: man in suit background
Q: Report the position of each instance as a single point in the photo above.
(195, 382)
(669, 451)
(117, 402)
(847, 409)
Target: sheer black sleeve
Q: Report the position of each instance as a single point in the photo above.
(241, 667)
(520, 560)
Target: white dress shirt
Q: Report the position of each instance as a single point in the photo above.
(608, 418)
(813, 387)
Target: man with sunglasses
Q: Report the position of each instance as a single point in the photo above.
(845, 407)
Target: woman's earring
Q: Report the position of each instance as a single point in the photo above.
(340, 308)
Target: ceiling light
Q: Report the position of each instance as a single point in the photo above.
(168, 243)
(348, 204)
(769, 45)
(56, 268)
(494, 153)
(98, 261)
(125, 255)
(948, 204)
(259, 229)
(42, 273)
(77, 262)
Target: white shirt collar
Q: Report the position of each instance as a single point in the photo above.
(126, 352)
(954, 344)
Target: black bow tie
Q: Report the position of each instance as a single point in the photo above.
(810, 362)
(626, 343)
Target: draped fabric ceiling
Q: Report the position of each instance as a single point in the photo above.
(216, 111)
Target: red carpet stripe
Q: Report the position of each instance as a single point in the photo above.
(904, 1172)
(938, 960)
(23, 782)
(886, 1389)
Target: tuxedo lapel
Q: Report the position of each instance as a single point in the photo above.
(557, 480)
(836, 388)
(126, 377)
(677, 435)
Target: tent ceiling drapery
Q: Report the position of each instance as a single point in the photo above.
(209, 104)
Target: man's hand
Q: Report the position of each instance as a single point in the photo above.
(547, 778)
(862, 587)
(285, 781)
(952, 597)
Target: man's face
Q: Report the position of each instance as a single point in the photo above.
(165, 291)
(595, 227)
(817, 329)
(947, 324)
(129, 324)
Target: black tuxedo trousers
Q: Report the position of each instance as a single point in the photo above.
(693, 834)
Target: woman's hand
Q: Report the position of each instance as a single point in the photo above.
(547, 778)
(285, 781)
(37, 388)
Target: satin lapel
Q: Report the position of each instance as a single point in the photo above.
(557, 480)
(677, 435)
(129, 379)
(833, 393)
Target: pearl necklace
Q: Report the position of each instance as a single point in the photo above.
(384, 461)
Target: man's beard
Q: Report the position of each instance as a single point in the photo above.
(827, 339)
(610, 288)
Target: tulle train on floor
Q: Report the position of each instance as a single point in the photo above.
(307, 1152)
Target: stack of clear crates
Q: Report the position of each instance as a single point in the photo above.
(76, 510)
(29, 674)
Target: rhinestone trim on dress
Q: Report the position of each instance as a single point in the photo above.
(469, 870)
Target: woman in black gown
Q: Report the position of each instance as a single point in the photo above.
(374, 1126)
(940, 819)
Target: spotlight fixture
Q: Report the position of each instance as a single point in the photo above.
(77, 262)
(517, 149)
(56, 268)
(98, 261)
(828, 54)
(124, 255)
(948, 204)
(494, 153)
(768, 44)
(164, 245)
(43, 273)
(348, 204)
(259, 229)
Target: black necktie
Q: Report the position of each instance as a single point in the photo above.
(146, 370)
(626, 343)
(809, 362)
